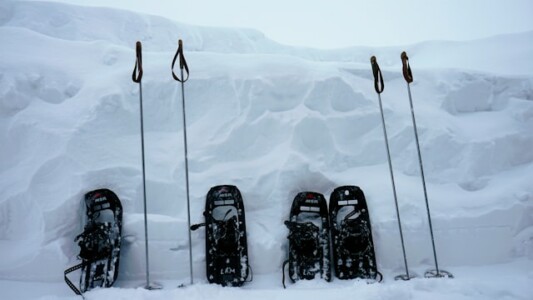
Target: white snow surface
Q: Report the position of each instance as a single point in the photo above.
(273, 120)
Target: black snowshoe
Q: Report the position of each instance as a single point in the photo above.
(309, 252)
(226, 247)
(353, 249)
(100, 242)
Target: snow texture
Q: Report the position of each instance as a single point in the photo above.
(273, 120)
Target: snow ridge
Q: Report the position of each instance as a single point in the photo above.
(271, 119)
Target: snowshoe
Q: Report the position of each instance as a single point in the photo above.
(353, 249)
(309, 252)
(225, 243)
(99, 243)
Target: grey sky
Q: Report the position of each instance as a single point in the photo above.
(343, 23)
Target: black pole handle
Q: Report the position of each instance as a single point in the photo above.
(406, 68)
(137, 74)
(378, 78)
(183, 63)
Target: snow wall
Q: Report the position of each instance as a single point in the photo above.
(271, 119)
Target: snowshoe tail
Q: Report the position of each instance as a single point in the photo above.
(100, 242)
(309, 249)
(226, 245)
(353, 248)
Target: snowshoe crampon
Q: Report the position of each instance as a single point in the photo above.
(353, 249)
(99, 243)
(309, 252)
(226, 246)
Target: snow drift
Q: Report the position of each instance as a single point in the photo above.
(271, 119)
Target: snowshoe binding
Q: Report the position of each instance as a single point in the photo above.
(353, 249)
(226, 246)
(309, 252)
(99, 243)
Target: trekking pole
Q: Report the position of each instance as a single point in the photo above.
(408, 75)
(136, 76)
(182, 79)
(379, 86)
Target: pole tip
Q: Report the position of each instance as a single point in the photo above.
(180, 43)
(404, 55)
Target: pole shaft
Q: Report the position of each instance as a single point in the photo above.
(144, 186)
(393, 185)
(423, 178)
(186, 175)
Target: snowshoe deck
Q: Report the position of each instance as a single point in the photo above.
(226, 246)
(353, 248)
(309, 252)
(100, 242)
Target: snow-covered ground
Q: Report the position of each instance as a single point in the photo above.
(273, 120)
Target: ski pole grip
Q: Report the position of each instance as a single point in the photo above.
(180, 46)
(378, 77)
(183, 63)
(406, 68)
(137, 74)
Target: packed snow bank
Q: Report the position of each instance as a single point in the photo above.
(494, 282)
(272, 120)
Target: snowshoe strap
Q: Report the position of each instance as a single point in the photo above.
(354, 236)
(380, 276)
(303, 236)
(250, 273)
(69, 283)
(206, 215)
(196, 226)
(96, 241)
(227, 235)
(283, 272)
(351, 214)
(226, 214)
(295, 226)
(72, 269)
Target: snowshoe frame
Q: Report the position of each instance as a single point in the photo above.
(353, 247)
(227, 261)
(99, 243)
(309, 249)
